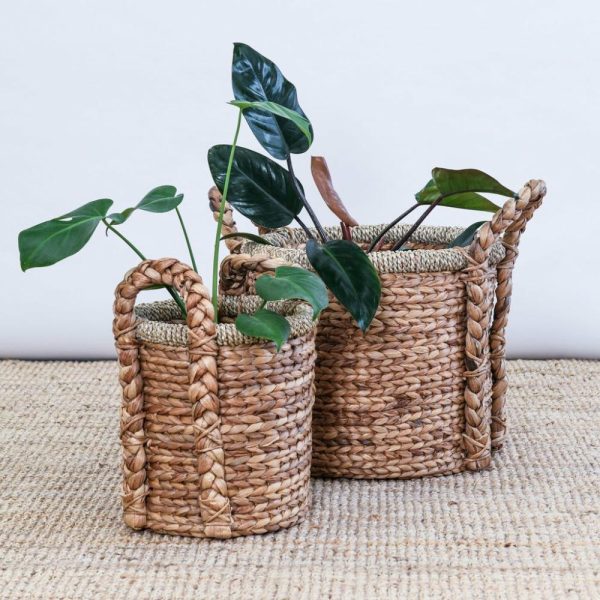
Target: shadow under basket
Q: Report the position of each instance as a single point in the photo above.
(422, 392)
(215, 426)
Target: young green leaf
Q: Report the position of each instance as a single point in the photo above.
(49, 242)
(257, 79)
(464, 238)
(450, 181)
(159, 200)
(264, 324)
(294, 283)
(468, 200)
(280, 111)
(259, 188)
(247, 236)
(347, 271)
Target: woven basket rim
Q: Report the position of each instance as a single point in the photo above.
(154, 321)
(286, 241)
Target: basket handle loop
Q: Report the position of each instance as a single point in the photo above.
(229, 225)
(213, 499)
(509, 222)
(237, 269)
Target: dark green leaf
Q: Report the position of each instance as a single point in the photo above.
(468, 200)
(264, 324)
(159, 200)
(247, 236)
(280, 111)
(259, 188)
(450, 181)
(347, 271)
(294, 283)
(464, 238)
(52, 241)
(257, 79)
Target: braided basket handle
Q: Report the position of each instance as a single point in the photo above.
(509, 222)
(236, 269)
(213, 499)
(229, 226)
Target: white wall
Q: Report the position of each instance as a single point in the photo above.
(109, 99)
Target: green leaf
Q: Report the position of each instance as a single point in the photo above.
(294, 283)
(347, 271)
(464, 238)
(257, 79)
(281, 111)
(259, 188)
(49, 242)
(264, 324)
(247, 236)
(450, 181)
(467, 200)
(159, 200)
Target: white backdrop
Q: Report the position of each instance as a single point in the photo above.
(109, 99)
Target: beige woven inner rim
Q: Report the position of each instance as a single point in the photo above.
(412, 261)
(155, 320)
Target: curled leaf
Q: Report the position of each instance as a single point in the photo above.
(322, 177)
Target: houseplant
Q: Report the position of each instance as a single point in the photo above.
(215, 422)
(421, 391)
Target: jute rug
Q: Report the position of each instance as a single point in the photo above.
(529, 528)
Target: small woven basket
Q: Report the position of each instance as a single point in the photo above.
(215, 426)
(422, 392)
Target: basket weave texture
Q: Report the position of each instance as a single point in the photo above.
(422, 392)
(215, 426)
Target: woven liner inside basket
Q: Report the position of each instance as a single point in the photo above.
(216, 426)
(161, 322)
(422, 391)
(428, 248)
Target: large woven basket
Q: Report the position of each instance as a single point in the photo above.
(215, 426)
(422, 392)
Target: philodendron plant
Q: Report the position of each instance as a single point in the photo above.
(271, 196)
(52, 241)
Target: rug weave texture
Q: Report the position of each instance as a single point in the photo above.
(528, 528)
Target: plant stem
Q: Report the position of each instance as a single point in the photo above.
(215, 281)
(187, 239)
(394, 222)
(309, 235)
(307, 206)
(169, 289)
(407, 235)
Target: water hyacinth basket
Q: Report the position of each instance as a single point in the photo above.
(215, 426)
(423, 391)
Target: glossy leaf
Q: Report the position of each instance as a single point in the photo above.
(279, 111)
(464, 238)
(159, 200)
(52, 241)
(294, 283)
(247, 236)
(347, 271)
(322, 177)
(466, 200)
(450, 181)
(264, 324)
(259, 188)
(255, 78)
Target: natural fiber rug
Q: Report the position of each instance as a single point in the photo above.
(528, 528)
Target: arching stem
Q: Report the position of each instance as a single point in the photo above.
(376, 241)
(169, 289)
